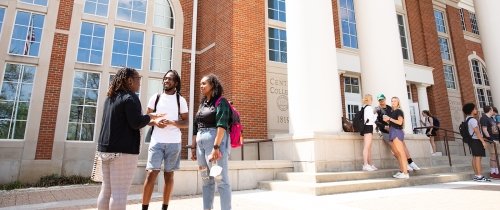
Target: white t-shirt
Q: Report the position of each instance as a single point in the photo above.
(369, 115)
(167, 104)
(472, 124)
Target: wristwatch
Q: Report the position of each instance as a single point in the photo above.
(216, 146)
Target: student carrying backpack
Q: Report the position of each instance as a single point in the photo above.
(235, 127)
(464, 131)
(358, 122)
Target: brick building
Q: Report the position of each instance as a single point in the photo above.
(59, 56)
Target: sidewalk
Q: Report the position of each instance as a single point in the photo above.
(456, 195)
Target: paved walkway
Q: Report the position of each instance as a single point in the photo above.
(457, 195)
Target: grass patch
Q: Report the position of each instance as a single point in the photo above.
(49, 181)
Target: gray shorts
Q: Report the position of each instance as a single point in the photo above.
(169, 153)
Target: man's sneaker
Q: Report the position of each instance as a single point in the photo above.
(409, 168)
(368, 168)
(481, 179)
(494, 176)
(402, 176)
(397, 174)
(374, 168)
(414, 166)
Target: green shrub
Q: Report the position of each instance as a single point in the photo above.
(48, 181)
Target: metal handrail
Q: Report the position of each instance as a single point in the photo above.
(256, 141)
(446, 143)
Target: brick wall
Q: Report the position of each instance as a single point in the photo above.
(51, 98)
(336, 23)
(464, 76)
(426, 52)
(54, 79)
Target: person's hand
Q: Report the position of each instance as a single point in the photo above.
(161, 123)
(215, 155)
(386, 118)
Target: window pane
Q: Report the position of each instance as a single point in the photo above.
(91, 43)
(2, 13)
(277, 45)
(127, 48)
(132, 10)
(27, 34)
(15, 97)
(277, 10)
(163, 14)
(36, 2)
(161, 53)
(84, 106)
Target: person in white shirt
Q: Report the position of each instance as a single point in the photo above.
(165, 145)
(367, 133)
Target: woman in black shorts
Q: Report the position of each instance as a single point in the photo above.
(430, 132)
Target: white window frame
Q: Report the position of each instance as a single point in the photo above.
(92, 37)
(276, 9)
(3, 21)
(155, 15)
(462, 19)
(405, 35)
(450, 84)
(41, 35)
(439, 21)
(128, 47)
(279, 40)
(171, 53)
(483, 78)
(33, 3)
(442, 51)
(94, 136)
(408, 92)
(349, 26)
(14, 115)
(96, 2)
(351, 85)
(473, 22)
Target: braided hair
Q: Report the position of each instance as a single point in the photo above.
(176, 78)
(217, 89)
(119, 82)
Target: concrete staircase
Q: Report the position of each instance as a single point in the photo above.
(342, 182)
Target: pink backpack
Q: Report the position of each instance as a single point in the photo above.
(235, 127)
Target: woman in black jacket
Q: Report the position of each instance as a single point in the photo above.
(119, 140)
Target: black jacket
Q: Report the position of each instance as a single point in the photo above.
(121, 120)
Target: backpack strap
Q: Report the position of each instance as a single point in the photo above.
(154, 110)
(177, 95)
(467, 122)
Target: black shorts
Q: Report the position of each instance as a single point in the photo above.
(433, 133)
(477, 148)
(366, 129)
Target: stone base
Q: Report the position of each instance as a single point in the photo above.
(343, 151)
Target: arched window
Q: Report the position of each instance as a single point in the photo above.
(481, 84)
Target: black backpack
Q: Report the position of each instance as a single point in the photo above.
(358, 121)
(464, 131)
(436, 123)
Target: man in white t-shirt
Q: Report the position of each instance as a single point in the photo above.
(165, 145)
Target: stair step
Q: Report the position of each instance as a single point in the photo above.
(324, 177)
(361, 185)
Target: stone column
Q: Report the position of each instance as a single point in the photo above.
(423, 101)
(313, 80)
(488, 17)
(382, 66)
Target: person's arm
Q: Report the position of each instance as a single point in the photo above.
(222, 119)
(398, 121)
(479, 136)
(183, 122)
(134, 117)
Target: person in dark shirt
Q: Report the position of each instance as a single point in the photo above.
(119, 140)
(490, 133)
(212, 142)
(396, 135)
(383, 127)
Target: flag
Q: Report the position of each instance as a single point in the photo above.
(30, 38)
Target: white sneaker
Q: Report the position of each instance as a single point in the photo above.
(397, 174)
(414, 166)
(402, 176)
(368, 168)
(436, 154)
(409, 167)
(374, 168)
